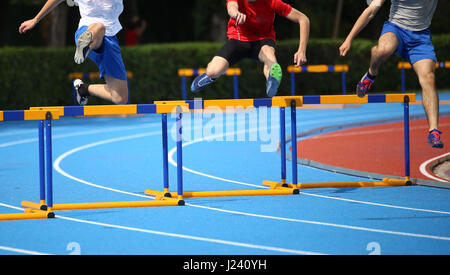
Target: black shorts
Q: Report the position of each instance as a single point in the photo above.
(235, 50)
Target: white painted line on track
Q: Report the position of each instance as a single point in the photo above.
(60, 158)
(424, 165)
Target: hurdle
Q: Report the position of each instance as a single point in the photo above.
(187, 72)
(284, 188)
(90, 76)
(344, 99)
(339, 68)
(45, 208)
(402, 66)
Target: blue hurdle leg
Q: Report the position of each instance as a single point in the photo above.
(183, 87)
(283, 144)
(294, 141)
(179, 154)
(41, 162)
(406, 134)
(292, 83)
(235, 86)
(49, 161)
(165, 154)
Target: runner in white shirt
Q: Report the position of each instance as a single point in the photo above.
(96, 39)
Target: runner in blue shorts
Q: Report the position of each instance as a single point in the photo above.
(407, 34)
(96, 39)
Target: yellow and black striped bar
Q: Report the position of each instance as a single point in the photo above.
(284, 101)
(318, 68)
(338, 68)
(407, 65)
(92, 75)
(195, 72)
(129, 109)
(21, 115)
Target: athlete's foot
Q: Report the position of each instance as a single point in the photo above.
(201, 82)
(364, 85)
(274, 80)
(434, 139)
(83, 47)
(82, 100)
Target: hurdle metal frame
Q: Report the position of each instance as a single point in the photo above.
(188, 72)
(402, 66)
(339, 68)
(45, 208)
(284, 188)
(90, 76)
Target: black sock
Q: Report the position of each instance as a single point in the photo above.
(84, 90)
(371, 76)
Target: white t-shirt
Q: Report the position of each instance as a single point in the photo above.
(106, 12)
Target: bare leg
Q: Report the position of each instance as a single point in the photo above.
(267, 56)
(217, 67)
(115, 90)
(387, 45)
(98, 32)
(430, 99)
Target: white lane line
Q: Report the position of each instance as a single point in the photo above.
(21, 251)
(423, 168)
(167, 234)
(58, 168)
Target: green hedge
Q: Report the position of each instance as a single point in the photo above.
(39, 76)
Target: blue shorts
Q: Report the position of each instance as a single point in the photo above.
(412, 45)
(108, 57)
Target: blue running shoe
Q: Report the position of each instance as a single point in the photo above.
(364, 85)
(434, 139)
(200, 82)
(274, 80)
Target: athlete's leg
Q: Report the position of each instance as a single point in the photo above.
(430, 99)
(115, 90)
(387, 45)
(98, 32)
(90, 39)
(267, 56)
(217, 67)
(272, 70)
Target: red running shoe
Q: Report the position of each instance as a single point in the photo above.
(364, 85)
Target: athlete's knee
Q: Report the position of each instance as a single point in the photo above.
(381, 51)
(120, 95)
(427, 79)
(214, 71)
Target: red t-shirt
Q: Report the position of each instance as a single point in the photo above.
(260, 18)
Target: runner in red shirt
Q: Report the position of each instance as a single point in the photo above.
(251, 34)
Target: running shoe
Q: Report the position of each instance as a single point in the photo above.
(83, 47)
(200, 82)
(434, 139)
(364, 85)
(274, 80)
(82, 100)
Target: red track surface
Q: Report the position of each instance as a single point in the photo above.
(377, 149)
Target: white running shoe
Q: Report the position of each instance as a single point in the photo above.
(83, 47)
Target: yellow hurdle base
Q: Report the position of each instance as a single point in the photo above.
(104, 205)
(27, 215)
(384, 183)
(227, 193)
